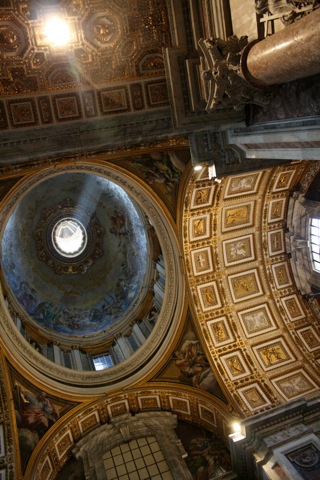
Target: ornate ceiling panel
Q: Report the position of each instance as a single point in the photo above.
(113, 63)
(262, 335)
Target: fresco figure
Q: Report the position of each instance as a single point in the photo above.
(161, 169)
(194, 366)
(35, 411)
(35, 414)
(26, 296)
(205, 460)
(118, 221)
(208, 455)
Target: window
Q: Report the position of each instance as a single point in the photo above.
(315, 243)
(101, 363)
(140, 459)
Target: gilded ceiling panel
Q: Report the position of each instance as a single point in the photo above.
(112, 64)
(257, 327)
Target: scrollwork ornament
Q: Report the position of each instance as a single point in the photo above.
(306, 457)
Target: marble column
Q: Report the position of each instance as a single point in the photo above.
(289, 54)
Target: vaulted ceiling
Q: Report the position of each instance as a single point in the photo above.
(234, 336)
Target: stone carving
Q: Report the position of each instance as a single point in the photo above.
(238, 249)
(8, 38)
(202, 196)
(283, 435)
(273, 355)
(235, 366)
(244, 285)
(224, 83)
(209, 296)
(237, 215)
(125, 432)
(288, 10)
(213, 147)
(219, 332)
(254, 397)
(255, 320)
(239, 185)
(306, 457)
(295, 385)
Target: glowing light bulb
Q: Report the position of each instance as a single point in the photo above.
(57, 31)
(197, 168)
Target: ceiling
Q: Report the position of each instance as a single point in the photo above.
(113, 65)
(95, 124)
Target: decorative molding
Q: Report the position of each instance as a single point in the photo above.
(285, 432)
(255, 324)
(122, 426)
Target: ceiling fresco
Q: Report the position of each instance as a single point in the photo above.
(90, 300)
(190, 366)
(245, 328)
(99, 132)
(35, 413)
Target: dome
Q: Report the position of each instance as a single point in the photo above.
(91, 278)
(70, 232)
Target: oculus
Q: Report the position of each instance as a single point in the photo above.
(68, 238)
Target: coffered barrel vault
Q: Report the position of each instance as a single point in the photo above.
(262, 336)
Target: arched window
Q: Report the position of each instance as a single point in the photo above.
(138, 459)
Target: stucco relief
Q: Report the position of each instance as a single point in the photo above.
(252, 296)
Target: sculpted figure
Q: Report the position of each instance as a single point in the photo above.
(291, 10)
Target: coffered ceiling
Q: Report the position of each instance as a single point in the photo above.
(112, 65)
